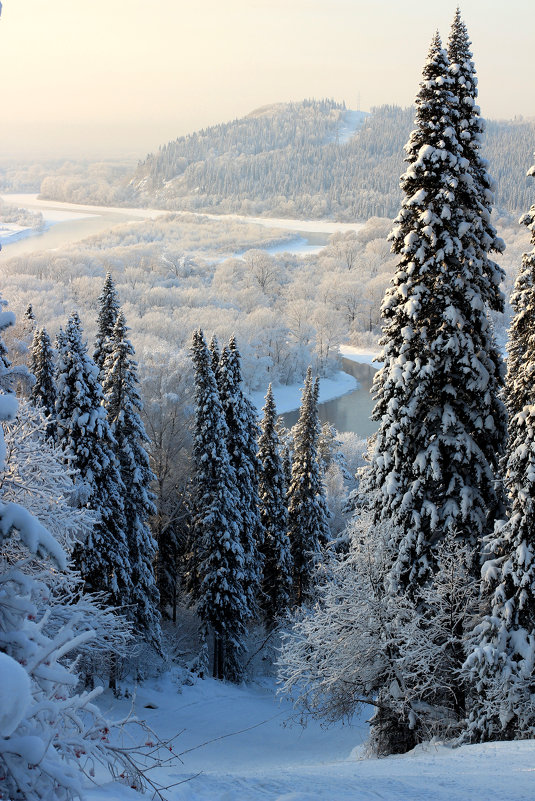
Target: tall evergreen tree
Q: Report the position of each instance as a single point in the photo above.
(278, 566)
(436, 451)
(107, 317)
(441, 425)
(29, 320)
(242, 446)
(216, 523)
(123, 406)
(308, 528)
(502, 658)
(42, 366)
(89, 446)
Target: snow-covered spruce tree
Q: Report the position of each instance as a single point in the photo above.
(107, 317)
(502, 659)
(123, 406)
(242, 447)
(480, 238)
(42, 366)
(89, 446)
(30, 316)
(216, 524)
(308, 527)
(520, 364)
(278, 565)
(441, 426)
(436, 394)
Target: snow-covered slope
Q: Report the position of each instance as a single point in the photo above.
(236, 745)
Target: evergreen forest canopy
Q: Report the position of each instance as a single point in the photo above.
(291, 160)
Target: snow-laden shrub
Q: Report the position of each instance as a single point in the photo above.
(360, 645)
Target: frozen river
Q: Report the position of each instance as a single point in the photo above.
(67, 223)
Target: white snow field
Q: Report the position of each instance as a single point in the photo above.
(236, 746)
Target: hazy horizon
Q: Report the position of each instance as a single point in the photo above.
(116, 78)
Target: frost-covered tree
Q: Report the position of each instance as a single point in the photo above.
(123, 406)
(308, 527)
(34, 476)
(278, 565)
(42, 366)
(502, 660)
(242, 446)
(217, 552)
(167, 407)
(436, 452)
(107, 317)
(358, 639)
(89, 447)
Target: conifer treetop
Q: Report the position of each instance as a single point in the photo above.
(109, 307)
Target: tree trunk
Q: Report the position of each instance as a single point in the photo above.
(389, 733)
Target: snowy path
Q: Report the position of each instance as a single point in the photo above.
(278, 762)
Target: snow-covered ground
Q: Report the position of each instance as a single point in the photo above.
(11, 232)
(310, 226)
(108, 216)
(299, 246)
(288, 398)
(235, 745)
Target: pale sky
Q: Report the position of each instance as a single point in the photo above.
(120, 77)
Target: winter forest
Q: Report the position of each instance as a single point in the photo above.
(203, 600)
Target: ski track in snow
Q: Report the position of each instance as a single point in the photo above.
(278, 762)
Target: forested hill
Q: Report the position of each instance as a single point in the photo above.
(301, 159)
(310, 159)
(314, 158)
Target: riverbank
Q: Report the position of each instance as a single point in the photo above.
(298, 237)
(288, 398)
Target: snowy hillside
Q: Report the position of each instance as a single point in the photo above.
(238, 744)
